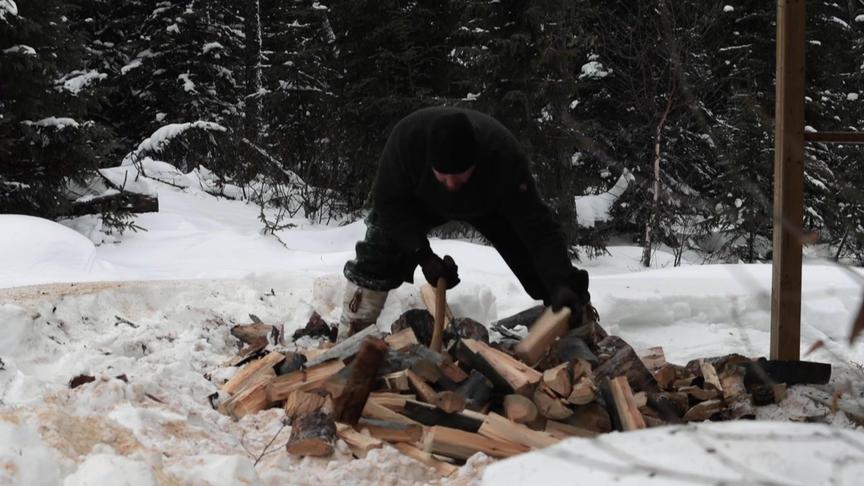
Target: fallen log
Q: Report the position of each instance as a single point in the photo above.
(549, 405)
(549, 327)
(584, 391)
(348, 407)
(460, 444)
(312, 435)
(703, 410)
(401, 340)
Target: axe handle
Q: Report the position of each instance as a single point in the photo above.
(440, 309)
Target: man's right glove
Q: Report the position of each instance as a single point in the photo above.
(566, 297)
(435, 267)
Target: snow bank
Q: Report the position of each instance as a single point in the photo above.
(25, 459)
(32, 247)
(53, 121)
(595, 208)
(20, 49)
(710, 453)
(8, 7)
(111, 469)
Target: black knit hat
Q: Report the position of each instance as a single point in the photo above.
(452, 147)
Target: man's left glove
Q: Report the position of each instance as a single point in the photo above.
(566, 297)
(435, 267)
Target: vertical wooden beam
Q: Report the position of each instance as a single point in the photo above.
(788, 181)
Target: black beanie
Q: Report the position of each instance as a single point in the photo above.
(452, 147)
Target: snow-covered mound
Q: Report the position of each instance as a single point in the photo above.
(710, 453)
(31, 247)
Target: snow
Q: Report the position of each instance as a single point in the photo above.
(852, 96)
(134, 64)
(210, 46)
(840, 22)
(730, 453)
(594, 208)
(149, 319)
(7, 7)
(594, 70)
(20, 49)
(160, 138)
(52, 121)
(188, 84)
(76, 81)
(859, 18)
(173, 28)
(728, 8)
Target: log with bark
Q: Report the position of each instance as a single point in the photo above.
(313, 434)
(348, 406)
(622, 360)
(460, 444)
(515, 375)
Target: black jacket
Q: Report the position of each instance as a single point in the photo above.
(406, 197)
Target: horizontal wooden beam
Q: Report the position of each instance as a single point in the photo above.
(834, 137)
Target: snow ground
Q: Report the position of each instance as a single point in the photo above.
(156, 308)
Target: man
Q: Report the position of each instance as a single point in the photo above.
(442, 164)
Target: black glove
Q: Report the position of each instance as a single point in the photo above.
(565, 297)
(434, 267)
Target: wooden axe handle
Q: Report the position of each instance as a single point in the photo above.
(440, 310)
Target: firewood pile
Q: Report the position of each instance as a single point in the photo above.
(501, 398)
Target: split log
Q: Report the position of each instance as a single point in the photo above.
(623, 361)
(360, 444)
(789, 372)
(307, 380)
(623, 405)
(252, 333)
(452, 371)
(348, 407)
(401, 340)
(519, 409)
(442, 468)
(709, 374)
(466, 328)
(654, 359)
(670, 406)
(377, 411)
(584, 391)
(549, 327)
(423, 390)
(671, 377)
(703, 411)
(733, 384)
(739, 407)
(557, 379)
(477, 390)
(580, 368)
(571, 347)
(346, 348)
(252, 399)
(497, 427)
(291, 363)
(252, 372)
(300, 403)
(316, 327)
(700, 394)
(460, 444)
(397, 381)
(549, 405)
(429, 415)
(517, 376)
(720, 363)
(450, 401)
(393, 401)
(312, 435)
(592, 416)
(419, 321)
(392, 431)
(525, 318)
(563, 430)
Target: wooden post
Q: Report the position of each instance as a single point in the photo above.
(788, 181)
